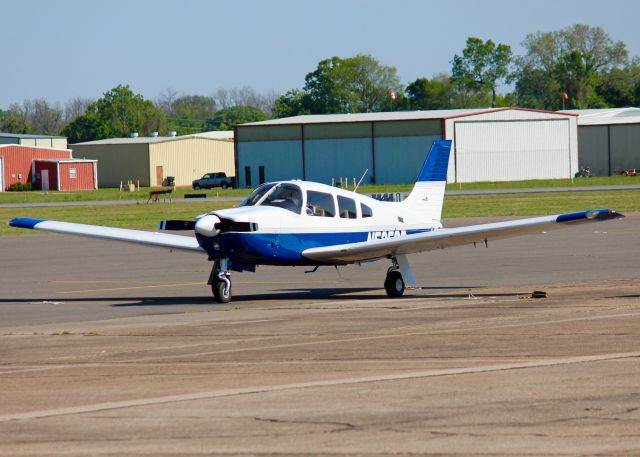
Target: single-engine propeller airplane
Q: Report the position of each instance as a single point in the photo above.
(301, 223)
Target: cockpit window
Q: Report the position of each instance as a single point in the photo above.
(257, 194)
(287, 196)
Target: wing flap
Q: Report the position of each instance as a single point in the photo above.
(449, 237)
(164, 240)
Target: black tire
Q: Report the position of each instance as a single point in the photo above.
(218, 291)
(394, 284)
(224, 185)
(196, 187)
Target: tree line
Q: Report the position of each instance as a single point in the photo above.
(576, 67)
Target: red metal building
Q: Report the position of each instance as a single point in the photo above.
(65, 174)
(16, 162)
(18, 165)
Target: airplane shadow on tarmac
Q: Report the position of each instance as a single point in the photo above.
(296, 295)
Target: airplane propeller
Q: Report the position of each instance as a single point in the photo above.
(176, 225)
(208, 225)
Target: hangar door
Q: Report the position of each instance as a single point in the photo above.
(511, 150)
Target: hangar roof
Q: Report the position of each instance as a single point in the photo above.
(387, 116)
(26, 135)
(607, 116)
(220, 135)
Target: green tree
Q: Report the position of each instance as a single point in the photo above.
(482, 66)
(356, 84)
(225, 119)
(116, 114)
(425, 94)
(293, 103)
(10, 122)
(620, 87)
(573, 60)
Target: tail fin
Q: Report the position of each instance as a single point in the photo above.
(427, 195)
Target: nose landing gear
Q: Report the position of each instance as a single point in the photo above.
(220, 281)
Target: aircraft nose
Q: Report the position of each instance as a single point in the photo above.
(206, 225)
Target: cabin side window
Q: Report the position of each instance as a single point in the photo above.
(320, 204)
(366, 211)
(347, 207)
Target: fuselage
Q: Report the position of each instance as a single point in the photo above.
(278, 221)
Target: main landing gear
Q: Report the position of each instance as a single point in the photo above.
(394, 283)
(220, 281)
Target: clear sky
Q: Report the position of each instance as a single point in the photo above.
(60, 49)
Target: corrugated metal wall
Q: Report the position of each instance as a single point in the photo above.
(281, 160)
(594, 149)
(401, 147)
(84, 176)
(117, 162)
(625, 146)
(190, 158)
(333, 151)
(511, 150)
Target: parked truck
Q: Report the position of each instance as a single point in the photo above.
(216, 179)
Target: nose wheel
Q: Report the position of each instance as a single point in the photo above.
(394, 284)
(220, 281)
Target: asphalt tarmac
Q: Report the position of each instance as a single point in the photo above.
(116, 349)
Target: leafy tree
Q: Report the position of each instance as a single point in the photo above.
(354, 85)
(578, 78)
(39, 115)
(573, 60)
(225, 119)
(482, 66)
(621, 86)
(10, 122)
(293, 103)
(425, 94)
(116, 114)
(189, 113)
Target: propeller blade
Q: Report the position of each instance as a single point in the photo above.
(176, 225)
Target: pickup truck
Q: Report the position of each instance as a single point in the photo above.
(210, 180)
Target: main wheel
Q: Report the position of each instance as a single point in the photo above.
(394, 284)
(218, 288)
(224, 185)
(196, 187)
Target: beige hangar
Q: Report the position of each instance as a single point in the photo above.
(152, 159)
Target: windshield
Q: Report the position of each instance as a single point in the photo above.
(287, 196)
(255, 196)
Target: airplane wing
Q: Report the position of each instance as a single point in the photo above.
(448, 237)
(165, 240)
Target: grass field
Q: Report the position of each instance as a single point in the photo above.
(146, 217)
(143, 193)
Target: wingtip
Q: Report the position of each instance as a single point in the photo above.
(592, 215)
(24, 222)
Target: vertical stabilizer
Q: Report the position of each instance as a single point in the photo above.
(427, 195)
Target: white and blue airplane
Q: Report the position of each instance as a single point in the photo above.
(301, 223)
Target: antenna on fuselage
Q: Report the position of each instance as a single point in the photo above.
(363, 175)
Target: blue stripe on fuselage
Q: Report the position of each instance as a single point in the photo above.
(277, 248)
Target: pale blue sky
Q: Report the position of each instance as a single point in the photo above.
(60, 49)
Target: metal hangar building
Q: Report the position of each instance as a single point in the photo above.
(503, 144)
(609, 139)
(150, 160)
